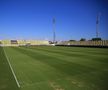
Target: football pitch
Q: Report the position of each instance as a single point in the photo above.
(53, 68)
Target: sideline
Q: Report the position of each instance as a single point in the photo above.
(12, 69)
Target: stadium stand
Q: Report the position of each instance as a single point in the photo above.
(6, 42)
(23, 42)
(103, 43)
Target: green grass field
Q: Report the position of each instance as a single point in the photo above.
(54, 68)
(7, 81)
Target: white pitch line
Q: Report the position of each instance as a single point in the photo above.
(12, 69)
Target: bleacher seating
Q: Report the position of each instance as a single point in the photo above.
(23, 42)
(85, 43)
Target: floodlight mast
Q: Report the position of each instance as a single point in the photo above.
(54, 35)
(97, 25)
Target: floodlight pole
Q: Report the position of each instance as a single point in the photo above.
(97, 26)
(54, 35)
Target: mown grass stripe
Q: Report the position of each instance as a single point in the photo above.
(72, 58)
(59, 63)
(11, 69)
(54, 68)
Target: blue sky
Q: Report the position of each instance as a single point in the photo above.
(32, 19)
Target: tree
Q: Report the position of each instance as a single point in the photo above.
(72, 40)
(96, 39)
(82, 39)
